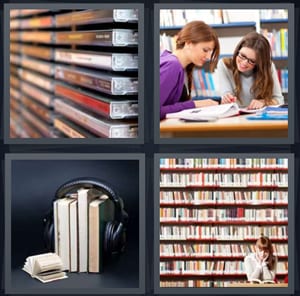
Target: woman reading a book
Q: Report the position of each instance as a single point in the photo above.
(196, 43)
(261, 265)
(249, 78)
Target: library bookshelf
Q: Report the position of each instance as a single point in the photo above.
(73, 73)
(231, 25)
(212, 211)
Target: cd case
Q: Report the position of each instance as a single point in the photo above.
(112, 84)
(105, 106)
(111, 37)
(92, 16)
(101, 127)
(101, 60)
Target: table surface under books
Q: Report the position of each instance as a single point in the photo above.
(237, 126)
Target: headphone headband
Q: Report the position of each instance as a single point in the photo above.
(87, 182)
(115, 231)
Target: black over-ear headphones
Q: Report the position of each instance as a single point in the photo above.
(115, 231)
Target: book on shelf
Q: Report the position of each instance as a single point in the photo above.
(101, 211)
(46, 267)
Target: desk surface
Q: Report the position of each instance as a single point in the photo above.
(237, 126)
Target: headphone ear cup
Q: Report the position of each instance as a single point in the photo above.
(114, 241)
(49, 232)
(108, 238)
(119, 238)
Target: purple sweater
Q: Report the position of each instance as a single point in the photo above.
(171, 85)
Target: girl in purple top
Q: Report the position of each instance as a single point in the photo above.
(195, 44)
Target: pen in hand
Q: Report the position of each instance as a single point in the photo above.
(228, 98)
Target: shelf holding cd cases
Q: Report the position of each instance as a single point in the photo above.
(107, 107)
(104, 127)
(102, 60)
(111, 84)
(92, 16)
(86, 59)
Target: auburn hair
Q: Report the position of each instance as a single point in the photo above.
(262, 88)
(264, 243)
(195, 32)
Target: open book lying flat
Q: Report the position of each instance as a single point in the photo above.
(210, 112)
(215, 112)
(257, 281)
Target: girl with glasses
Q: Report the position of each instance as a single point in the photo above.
(250, 78)
(261, 265)
(196, 44)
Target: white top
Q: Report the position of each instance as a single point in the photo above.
(257, 270)
(226, 84)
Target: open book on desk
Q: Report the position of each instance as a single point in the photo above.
(257, 281)
(212, 113)
(209, 113)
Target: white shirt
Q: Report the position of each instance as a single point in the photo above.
(257, 270)
(226, 84)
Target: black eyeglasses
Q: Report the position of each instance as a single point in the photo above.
(244, 58)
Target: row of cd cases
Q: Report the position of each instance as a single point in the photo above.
(80, 82)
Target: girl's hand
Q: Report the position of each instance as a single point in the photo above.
(228, 98)
(256, 104)
(205, 103)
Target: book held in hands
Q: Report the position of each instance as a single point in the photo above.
(46, 267)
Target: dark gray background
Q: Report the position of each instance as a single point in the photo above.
(34, 183)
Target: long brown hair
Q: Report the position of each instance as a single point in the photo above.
(262, 87)
(195, 32)
(264, 243)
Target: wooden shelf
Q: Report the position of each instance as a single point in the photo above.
(204, 204)
(213, 222)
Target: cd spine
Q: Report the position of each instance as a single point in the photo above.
(37, 51)
(36, 79)
(97, 106)
(37, 94)
(40, 37)
(96, 16)
(81, 118)
(113, 37)
(67, 130)
(42, 67)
